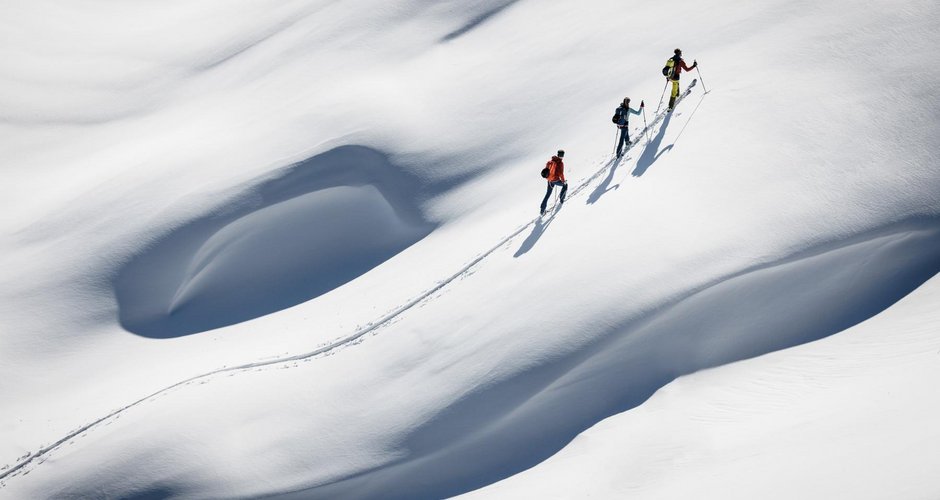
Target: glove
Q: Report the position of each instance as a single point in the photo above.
(641, 104)
(694, 63)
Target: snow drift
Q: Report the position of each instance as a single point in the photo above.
(524, 419)
(282, 242)
(261, 248)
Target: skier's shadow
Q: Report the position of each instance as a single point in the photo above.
(652, 152)
(603, 188)
(538, 229)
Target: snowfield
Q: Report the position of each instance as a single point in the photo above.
(292, 249)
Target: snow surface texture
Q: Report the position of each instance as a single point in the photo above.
(311, 230)
(291, 249)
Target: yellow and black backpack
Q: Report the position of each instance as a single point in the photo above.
(669, 68)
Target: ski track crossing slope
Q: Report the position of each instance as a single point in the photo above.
(201, 224)
(22, 466)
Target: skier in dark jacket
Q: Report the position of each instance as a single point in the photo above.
(556, 177)
(623, 122)
(677, 64)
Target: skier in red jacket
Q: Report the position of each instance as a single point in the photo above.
(556, 177)
(677, 65)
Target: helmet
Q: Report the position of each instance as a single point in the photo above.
(678, 52)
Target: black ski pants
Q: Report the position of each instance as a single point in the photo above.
(548, 193)
(624, 137)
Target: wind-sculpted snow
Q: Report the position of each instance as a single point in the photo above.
(514, 424)
(442, 337)
(290, 239)
(507, 428)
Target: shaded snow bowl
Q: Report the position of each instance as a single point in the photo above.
(282, 242)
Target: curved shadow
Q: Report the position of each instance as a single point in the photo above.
(501, 430)
(476, 21)
(652, 152)
(538, 229)
(282, 241)
(603, 188)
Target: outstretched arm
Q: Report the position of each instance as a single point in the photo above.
(685, 67)
(637, 111)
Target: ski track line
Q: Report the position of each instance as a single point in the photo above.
(30, 457)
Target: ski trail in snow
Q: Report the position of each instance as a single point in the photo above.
(656, 120)
(40, 456)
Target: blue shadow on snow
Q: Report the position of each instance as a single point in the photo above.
(282, 241)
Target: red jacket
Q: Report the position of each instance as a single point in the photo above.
(556, 169)
(678, 64)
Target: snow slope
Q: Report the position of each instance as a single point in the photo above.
(288, 248)
(828, 419)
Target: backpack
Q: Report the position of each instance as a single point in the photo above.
(546, 171)
(669, 68)
(618, 115)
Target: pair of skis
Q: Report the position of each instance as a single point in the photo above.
(660, 116)
(656, 119)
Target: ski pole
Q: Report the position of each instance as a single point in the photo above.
(646, 125)
(616, 139)
(700, 77)
(661, 97)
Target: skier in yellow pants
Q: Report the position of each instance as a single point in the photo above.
(675, 65)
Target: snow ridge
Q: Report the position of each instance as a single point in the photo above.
(19, 467)
(678, 336)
